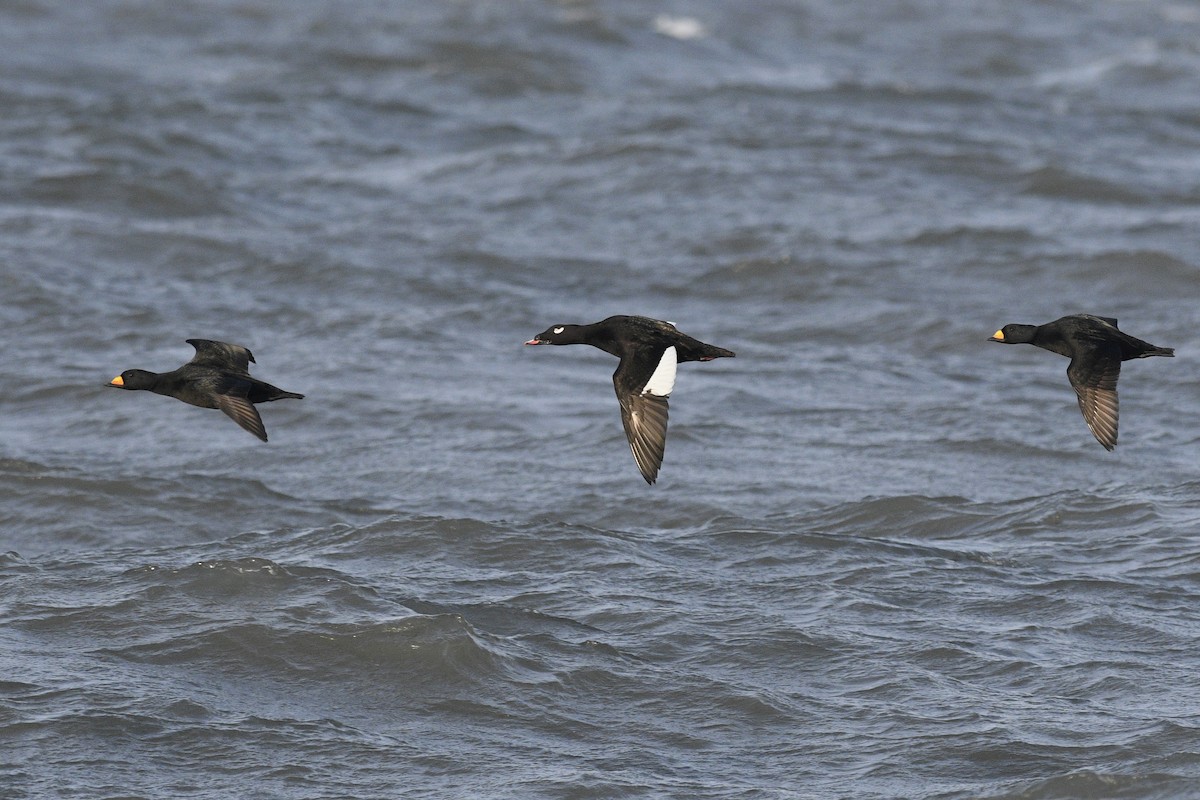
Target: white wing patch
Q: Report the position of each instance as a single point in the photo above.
(663, 380)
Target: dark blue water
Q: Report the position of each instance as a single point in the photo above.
(884, 558)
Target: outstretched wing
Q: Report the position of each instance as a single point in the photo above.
(221, 354)
(1093, 376)
(645, 420)
(239, 408)
(642, 384)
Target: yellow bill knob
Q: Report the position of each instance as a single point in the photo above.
(998, 336)
(117, 381)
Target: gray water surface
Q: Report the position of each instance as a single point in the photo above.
(884, 559)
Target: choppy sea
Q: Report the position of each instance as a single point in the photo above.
(884, 557)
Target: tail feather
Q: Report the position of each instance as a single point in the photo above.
(699, 351)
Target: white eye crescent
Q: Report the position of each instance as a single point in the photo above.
(559, 329)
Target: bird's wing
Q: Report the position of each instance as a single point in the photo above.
(1094, 376)
(642, 383)
(239, 408)
(645, 420)
(221, 354)
(651, 371)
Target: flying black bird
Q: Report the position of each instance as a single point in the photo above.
(1096, 349)
(218, 376)
(649, 351)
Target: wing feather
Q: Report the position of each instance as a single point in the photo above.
(210, 353)
(645, 420)
(1094, 377)
(242, 411)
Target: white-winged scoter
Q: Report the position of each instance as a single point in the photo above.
(649, 350)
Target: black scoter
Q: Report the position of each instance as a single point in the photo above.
(218, 376)
(1096, 349)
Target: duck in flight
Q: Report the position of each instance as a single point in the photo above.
(649, 350)
(218, 376)
(1096, 349)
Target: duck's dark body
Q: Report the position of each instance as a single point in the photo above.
(631, 337)
(643, 379)
(1096, 348)
(217, 377)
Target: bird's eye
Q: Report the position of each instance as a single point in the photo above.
(559, 329)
